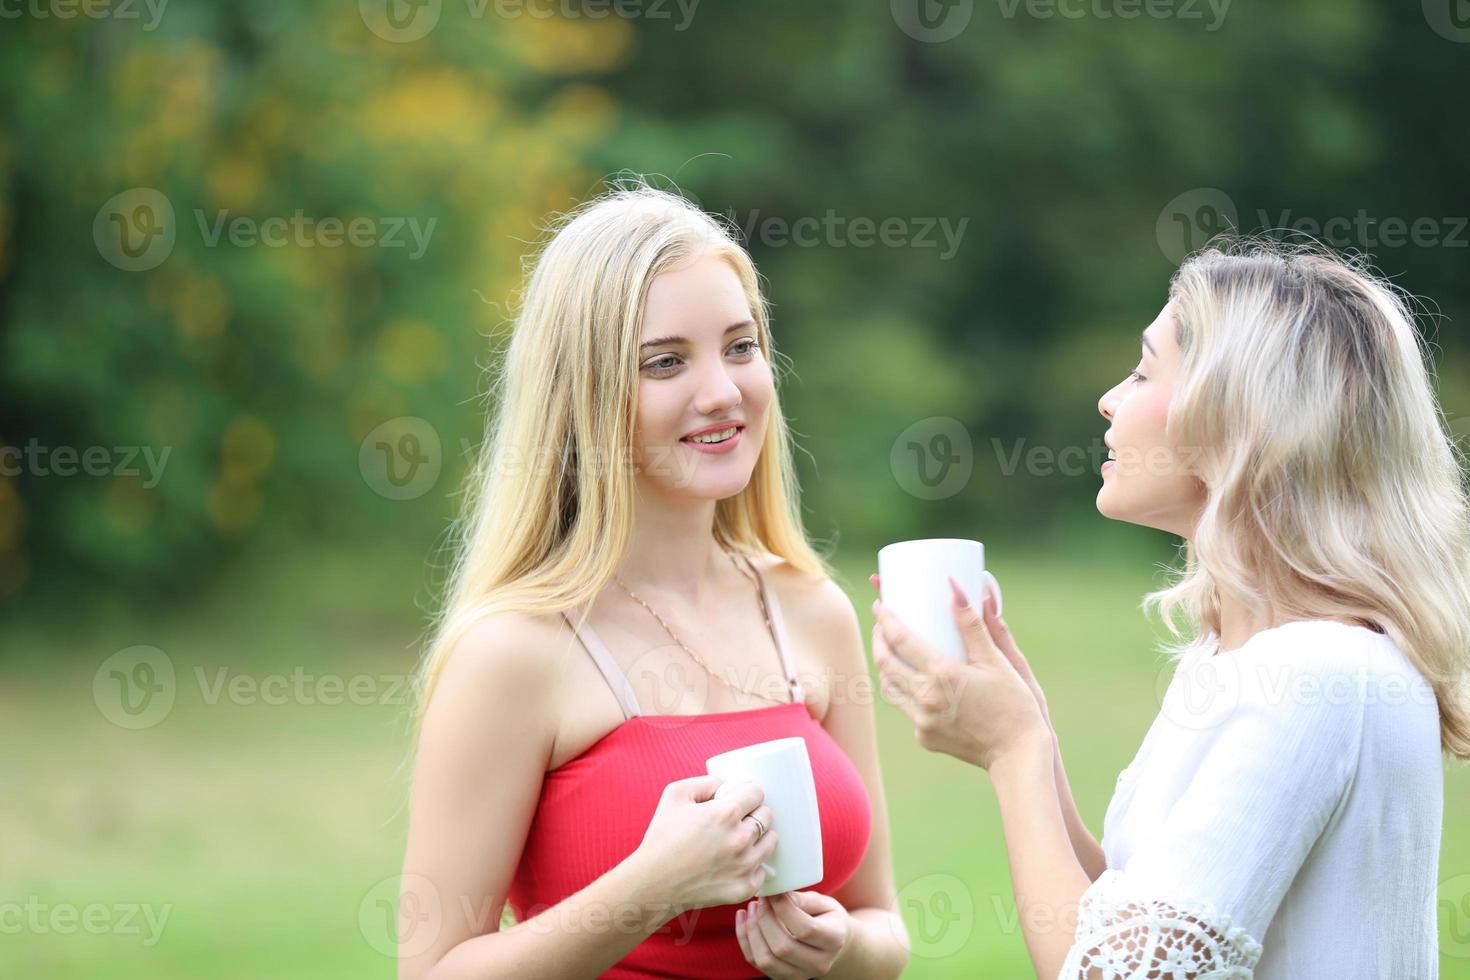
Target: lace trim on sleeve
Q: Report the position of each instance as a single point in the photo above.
(1121, 936)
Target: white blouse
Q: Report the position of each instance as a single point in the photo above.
(1281, 820)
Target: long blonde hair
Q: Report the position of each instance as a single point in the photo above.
(548, 507)
(1332, 485)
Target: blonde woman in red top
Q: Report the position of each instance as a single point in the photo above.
(634, 593)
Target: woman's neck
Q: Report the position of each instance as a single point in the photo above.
(672, 549)
(1238, 623)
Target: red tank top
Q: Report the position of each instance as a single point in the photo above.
(594, 810)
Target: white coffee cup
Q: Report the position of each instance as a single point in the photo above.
(783, 770)
(913, 580)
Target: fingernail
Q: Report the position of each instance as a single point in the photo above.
(959, 596)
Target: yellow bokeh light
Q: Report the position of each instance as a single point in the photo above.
(247, 448)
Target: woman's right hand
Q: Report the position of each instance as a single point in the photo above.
(1001, 634)
(703, 850)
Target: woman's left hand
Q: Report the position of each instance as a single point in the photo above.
(980, 711)
(793, 935)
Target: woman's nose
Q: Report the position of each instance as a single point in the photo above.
(1105, 403)
(717, 392)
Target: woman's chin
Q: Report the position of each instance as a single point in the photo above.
(705, 486)
(718, 489)
(1107, 507)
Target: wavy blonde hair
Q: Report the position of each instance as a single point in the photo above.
(548, 507)
(1332, 485)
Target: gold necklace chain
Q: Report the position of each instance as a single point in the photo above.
(765, 613)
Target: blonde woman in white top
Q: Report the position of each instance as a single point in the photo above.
(1282, 817)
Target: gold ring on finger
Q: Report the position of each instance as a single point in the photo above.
(760, 827)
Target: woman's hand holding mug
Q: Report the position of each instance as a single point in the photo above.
(1000, 634)
(705, 851)
(979, 711)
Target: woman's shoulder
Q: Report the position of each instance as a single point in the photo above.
(1324, 647)
(493, 684)
(1308, 644)
(1327, 667)
(507, 650)
(818, 611)
(816, 595)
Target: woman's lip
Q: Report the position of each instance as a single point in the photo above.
(1106, 464)
(711, 429)
(716, 448)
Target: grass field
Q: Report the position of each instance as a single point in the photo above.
(240, 838)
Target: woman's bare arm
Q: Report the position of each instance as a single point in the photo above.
(1089, 852)
(485, 742)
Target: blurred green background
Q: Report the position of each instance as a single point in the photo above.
(254, 260)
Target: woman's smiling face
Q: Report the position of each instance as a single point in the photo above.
(701, 374)
(1149, 482)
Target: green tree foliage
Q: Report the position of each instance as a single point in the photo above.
(261, 346)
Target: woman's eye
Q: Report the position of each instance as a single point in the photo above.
(1135, 376)
(667, 364)
(662, 365)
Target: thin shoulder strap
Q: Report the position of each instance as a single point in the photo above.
(778, 631)
(611, 672)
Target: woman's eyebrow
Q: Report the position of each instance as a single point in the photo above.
(1144, 337)
(660, 341)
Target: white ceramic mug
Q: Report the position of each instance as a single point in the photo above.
(913, 583)
(783, 770)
